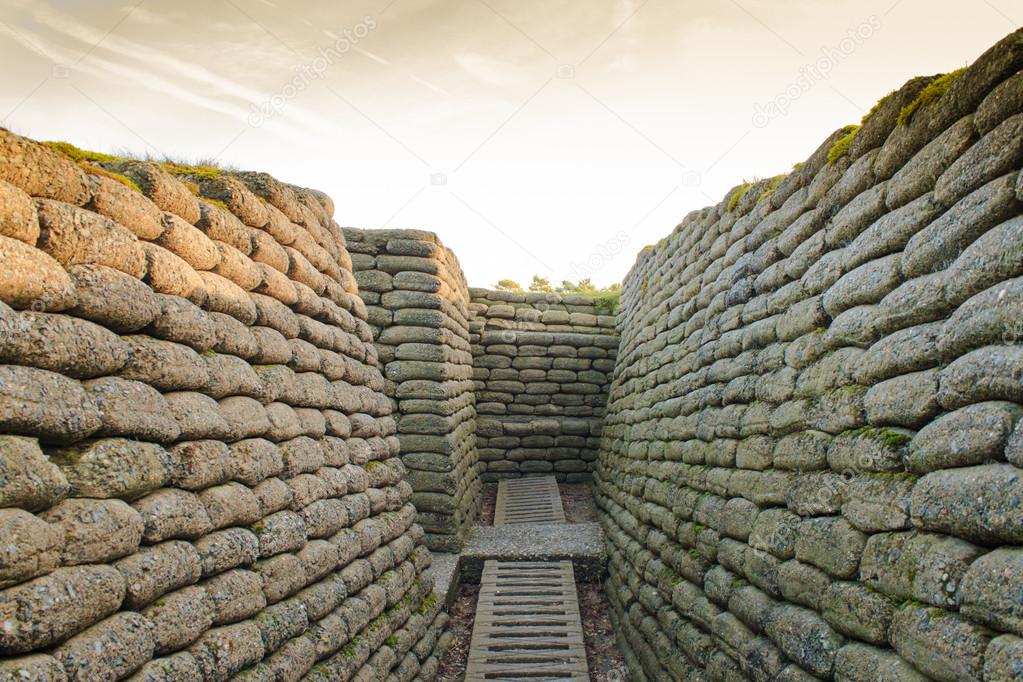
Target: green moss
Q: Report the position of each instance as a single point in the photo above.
(739, 582)
(929, 95)
(737, 195)
(103, 172)
(841, 148)
(937, 613)
(372, 466)
(772, 185)
(428, 603)
(215, 202)
(209, 353)
(695, 554)
(889, 437)
(391, 641)
(76, 154)
(877, 106)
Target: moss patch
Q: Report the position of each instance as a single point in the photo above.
(929, 95)
(215, 202)
(117, 177)
(737, 195)
(78, 155)
(841, 148)
(772, 185)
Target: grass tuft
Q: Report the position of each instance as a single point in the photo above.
(929, 95)
(841, 148)
(204, 170)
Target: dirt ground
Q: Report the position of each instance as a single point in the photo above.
(489, 503)
(603, 658)
(463, 616)
(577, 499)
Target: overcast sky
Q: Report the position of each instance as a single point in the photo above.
(555, 137)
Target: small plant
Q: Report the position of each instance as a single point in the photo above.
(930, 94)
(841, 148)
(608, 301)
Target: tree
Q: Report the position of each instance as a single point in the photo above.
(541, 284)
(583, 286)
(508, 285)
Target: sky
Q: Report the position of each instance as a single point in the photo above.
(549, 137)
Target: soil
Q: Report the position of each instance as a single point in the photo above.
(577, 500)
(463, 616)
(603, 658)
(489, 504)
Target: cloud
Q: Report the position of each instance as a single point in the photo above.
(168, 74)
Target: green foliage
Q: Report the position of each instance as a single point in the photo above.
(929, 95)
(541, 284)
(608, 301)
(737, 195)
(841, 148)
(76, 154)
(508, 285)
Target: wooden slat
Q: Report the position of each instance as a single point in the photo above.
(542, 637)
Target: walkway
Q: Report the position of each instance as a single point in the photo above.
(527, 619)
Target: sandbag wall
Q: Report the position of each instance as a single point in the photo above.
(418, 307)
(198, 471)
(812, 464)
(542, 365)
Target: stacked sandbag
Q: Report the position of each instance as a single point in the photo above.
(198, 469)
(418, 307)
(542, 365)
(812, 464)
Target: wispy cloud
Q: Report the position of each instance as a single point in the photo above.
(165, 73)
